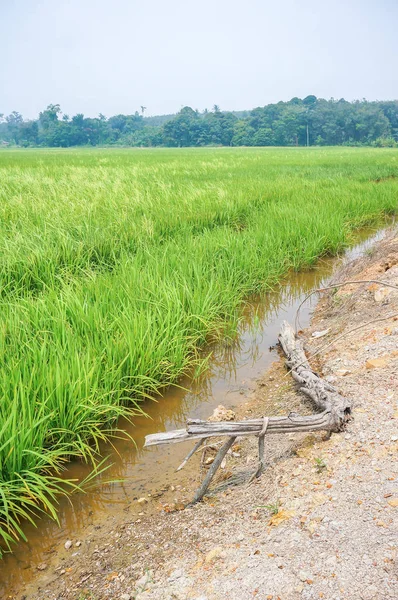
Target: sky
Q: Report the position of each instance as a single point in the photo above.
(114, 56)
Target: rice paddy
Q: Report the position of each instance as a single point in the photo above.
(117, 266)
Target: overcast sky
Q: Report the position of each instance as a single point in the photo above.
(112, 56)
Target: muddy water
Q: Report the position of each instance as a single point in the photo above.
(233, 370)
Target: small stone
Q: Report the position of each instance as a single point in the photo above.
(41, 567)
(177, 574)
(343, 372)
(78, 544)
(393, 502)
(142, 500)
(381, 294)
(125, 597)
(213, 555)
(303, 576)
(318, 334)
(222, 414)
(376, 363)
(67, 545)
(142, 582)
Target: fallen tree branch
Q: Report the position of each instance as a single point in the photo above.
(197, 429)
(324, 395)
(334, 412)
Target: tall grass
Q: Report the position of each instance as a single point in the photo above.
(116, 266)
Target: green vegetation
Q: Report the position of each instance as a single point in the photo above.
(117, 265)
(320, 464)
(273, 509)
(311, 121)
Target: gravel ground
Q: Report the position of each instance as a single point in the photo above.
(320, 523)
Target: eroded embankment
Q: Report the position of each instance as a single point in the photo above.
(322, 521)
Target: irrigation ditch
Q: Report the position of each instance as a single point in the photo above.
(137, 471)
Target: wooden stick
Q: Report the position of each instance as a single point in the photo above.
(213, 468)
(191, 453)
(261, 436)
(197, 429)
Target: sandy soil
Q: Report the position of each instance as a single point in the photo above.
(322, 522)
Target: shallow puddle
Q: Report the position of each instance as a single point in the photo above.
(232, 373)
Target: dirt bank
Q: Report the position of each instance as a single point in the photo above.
(322, 521)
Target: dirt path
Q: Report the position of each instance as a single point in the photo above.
(321, 523)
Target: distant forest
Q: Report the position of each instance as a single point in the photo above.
(299, 122)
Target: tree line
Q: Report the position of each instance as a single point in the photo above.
(298, 122)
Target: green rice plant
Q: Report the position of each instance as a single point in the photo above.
(117, 266)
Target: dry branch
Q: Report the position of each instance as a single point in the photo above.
(191, 453)
(334, 411)
(324, 395)
(197, 429)
(212, 471)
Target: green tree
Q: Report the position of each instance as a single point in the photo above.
(14, 122)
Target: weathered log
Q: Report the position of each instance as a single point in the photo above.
(197, 429)
(324, 395)
(335, 410)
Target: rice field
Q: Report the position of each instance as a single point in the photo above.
(117, 266)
